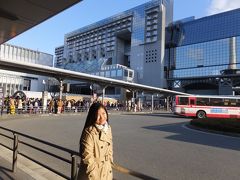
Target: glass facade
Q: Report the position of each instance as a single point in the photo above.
(202, 48)
(203, 59)
(219, 26)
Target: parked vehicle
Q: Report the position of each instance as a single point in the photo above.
(202, 106)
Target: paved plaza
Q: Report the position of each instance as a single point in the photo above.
(157, 145)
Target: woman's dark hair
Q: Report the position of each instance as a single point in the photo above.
(93, 113)
(92, 116)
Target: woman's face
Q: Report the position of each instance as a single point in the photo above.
(101, 116)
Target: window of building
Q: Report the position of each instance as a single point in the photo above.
(27, 85)
(113, 73)
(102, 73)
(107, 73)
(119, 72)
(130, 74)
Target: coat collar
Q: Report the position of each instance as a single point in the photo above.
(102, 135)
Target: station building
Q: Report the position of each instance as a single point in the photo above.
(12, 82)
(203, 55)
(145, 46)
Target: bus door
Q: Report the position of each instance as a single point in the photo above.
(192, 101)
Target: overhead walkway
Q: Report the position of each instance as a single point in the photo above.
(86, 66)
(72, 75)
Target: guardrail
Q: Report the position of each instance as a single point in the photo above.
(40, 110)
(15, 149)
(45, 110)
(73, 154)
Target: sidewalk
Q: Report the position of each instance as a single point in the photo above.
(6, 172)
(26, 169)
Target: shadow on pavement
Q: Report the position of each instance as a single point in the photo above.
(5, 173)
(185, 134)
(133, 173)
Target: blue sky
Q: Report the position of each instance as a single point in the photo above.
(50, 34)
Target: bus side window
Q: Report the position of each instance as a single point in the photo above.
(183, 101)
(233, 102)
(238, 102)
(216, 102)
(226, 102)
(192, 102)
(202, 101)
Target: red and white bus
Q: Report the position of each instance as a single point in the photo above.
(202, 106)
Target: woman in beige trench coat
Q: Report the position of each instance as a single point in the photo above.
(96, 149)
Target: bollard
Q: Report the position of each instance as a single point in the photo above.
(15, 152)
(74, 168)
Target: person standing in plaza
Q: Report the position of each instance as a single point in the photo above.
(96, 147)
(20, 105)
(12, 105)
(51, 106)
(60, 106)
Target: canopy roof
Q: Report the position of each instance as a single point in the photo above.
(17, 16)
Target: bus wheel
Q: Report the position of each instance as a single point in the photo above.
(201, 114)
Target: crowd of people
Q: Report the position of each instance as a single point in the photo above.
(18, 105)
(35, 105)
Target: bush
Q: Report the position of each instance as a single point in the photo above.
(225, 125)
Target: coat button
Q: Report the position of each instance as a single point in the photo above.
(110, 171)
(101, 147)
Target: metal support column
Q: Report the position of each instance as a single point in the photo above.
(152, 104)
(15, 153)
(74, 168)
(168, 104)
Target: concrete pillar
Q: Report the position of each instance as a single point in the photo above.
(61, 89)
(44, 100)
(232, 53)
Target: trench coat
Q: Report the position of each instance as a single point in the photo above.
(97, 154)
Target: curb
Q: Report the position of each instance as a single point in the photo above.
(212, 131)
